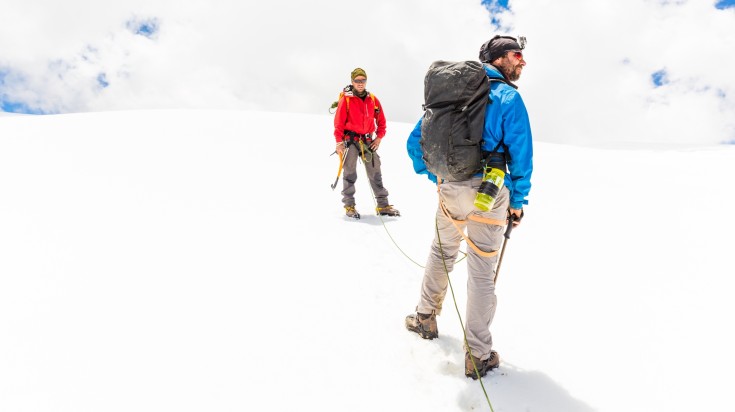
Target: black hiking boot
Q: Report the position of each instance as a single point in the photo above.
(483, 366)
(424, 325)
(387, 211)
(350, 211)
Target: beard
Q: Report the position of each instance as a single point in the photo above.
(511, 71)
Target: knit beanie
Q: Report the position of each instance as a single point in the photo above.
(497, 47)
(357, 72)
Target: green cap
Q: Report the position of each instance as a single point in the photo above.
(357, 72)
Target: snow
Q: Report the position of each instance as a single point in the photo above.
(199, 260)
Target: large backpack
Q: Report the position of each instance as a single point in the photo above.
(455, 97)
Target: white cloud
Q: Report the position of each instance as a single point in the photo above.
(590, 66)
(588, 79)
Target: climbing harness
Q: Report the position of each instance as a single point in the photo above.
(473, 217)
(362, 142)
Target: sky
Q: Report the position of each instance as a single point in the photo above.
(177, 260)
(621, 73)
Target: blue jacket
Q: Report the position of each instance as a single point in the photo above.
(505, 118)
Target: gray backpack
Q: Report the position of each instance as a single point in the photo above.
(455, 97)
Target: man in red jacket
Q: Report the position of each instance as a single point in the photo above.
(359, 114)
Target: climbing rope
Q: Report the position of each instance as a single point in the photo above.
(461, 322)
(375, 202)
(446, 271)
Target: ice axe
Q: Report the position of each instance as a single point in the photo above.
(341, 162)
(512, 218)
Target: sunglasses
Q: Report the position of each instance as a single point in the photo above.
(360, 81)
(518, 55)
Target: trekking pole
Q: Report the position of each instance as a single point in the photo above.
(512, 218)
(341, 162)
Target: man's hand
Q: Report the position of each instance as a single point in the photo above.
(375, 144)
(518, 214)
(340, 148)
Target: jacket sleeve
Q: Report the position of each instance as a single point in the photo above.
(380, 120)
(413, 145)
(340, 119)
(520, 147)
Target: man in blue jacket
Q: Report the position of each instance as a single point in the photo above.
(508, 129)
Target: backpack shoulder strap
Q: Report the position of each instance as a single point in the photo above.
(490, 100)
(375, 103)
(346, 93)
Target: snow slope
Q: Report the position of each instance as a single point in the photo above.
(198, 260)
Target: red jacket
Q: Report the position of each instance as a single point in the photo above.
(361, 117)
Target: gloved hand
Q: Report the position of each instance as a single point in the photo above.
(517, 214)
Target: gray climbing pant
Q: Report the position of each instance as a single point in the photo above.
(372, 167)
(458, 198)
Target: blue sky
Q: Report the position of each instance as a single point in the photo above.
(659, 78)
(7, 104)
(493, 7)
(147, 27)
(150, 54)
(17, 107)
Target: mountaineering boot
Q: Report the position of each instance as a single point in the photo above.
(350, 211)
(387, 211)
(424, 325)
(482, 365)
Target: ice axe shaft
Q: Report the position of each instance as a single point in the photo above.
(341, 162)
